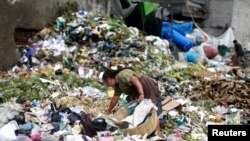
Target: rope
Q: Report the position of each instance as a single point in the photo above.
(192, 17)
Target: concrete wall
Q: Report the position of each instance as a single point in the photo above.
(219, 13)
(31, 14)
(234, 13)
(8, 54)
(219, 16)
(97, 5)
(241, 21)
(35, 14)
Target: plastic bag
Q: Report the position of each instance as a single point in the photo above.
(210, 51)
(142, 110)
(7, 132)
(192, 57)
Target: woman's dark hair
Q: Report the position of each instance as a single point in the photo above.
(109, 73)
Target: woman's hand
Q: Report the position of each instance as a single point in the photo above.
(112, 104)
(140, 98)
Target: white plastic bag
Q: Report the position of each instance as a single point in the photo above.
(142, 110)
(7, 132)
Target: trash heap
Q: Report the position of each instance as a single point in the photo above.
(55, 91)
(88, 44)
(223, 92)
(196, 46)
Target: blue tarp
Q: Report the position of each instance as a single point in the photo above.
(180, 40)
(182, 28)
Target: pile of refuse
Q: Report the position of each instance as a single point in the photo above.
(55, 91)
(196, 46)
(93, 41)
(223, 92)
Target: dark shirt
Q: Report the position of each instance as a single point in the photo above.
(238, 49)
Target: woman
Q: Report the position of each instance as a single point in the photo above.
(129, 82)
(136, 86)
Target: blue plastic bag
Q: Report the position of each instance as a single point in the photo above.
(192, 57)
(182, 42)
(31, 53)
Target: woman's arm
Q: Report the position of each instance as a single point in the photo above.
(112, 104)
(135, 81)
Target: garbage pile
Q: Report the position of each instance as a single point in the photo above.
(55, 91)
(39, 120)
(223, 92)
(96, 42)
(196, 46)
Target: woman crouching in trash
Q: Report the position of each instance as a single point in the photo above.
(136, 86)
